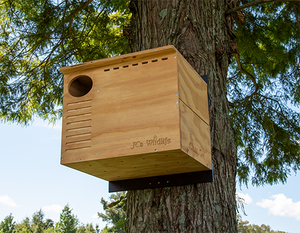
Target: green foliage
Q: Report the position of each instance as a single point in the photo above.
(24, 226)
(263, 86)
(115, 213)
(37, 222)
(88, 228)
(8, 224)
(245, 227)
(36, 41)
(67, 221)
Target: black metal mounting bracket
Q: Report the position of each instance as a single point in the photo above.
(162, 181)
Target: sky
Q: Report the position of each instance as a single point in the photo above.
(31, 178)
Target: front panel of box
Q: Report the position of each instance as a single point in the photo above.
(121, 110)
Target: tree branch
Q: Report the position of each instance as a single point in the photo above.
(237, 56)
(297, 18)
(257, 2)
(71, 22)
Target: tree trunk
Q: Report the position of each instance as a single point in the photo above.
(199, 30)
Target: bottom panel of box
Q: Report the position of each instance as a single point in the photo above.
(140, 166)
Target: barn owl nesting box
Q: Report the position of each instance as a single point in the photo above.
(143, 114)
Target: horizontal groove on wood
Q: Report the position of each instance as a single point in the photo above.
(78, 142)
(79, 122)
(78, 135)
(79, 109)
(79, 128)
(80, 102)
(79, 148)
(80, 115)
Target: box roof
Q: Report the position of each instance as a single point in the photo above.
(118, 59)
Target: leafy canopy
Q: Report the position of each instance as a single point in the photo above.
(36, 41)
(37, 224)
(263, 89)
(263, 80)
(245, 227)
(115, 213)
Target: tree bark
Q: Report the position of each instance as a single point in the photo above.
(201, 33)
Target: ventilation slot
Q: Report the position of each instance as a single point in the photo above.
(78, 129)
(78, 142)
(80, 102)
(79, 148)
(79, 135)
(80, 109)
(80, 115)
(79, 122)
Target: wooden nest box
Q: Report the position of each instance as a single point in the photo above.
(138, 115)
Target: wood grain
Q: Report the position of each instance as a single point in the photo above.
(140, 166)
(129, 124)
(195, 136)
(192, 89)
(125, 105)
(122, 59)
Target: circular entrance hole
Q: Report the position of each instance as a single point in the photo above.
(80, 86)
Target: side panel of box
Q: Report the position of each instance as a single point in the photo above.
(192, 89)
(195, 136)
(131, 109)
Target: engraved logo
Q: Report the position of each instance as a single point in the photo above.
(196, 150)
(137, 144)
(158, 141)
(152, 142)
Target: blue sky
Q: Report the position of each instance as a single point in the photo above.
(31, 178)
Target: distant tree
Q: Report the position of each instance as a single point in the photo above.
(8, 224)
(24, 226)
(37, 223)
(81, 229)
(49, 223)
(245, 227)
(115, 213)
(97, 228)
(88, 228)
(67, 222)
